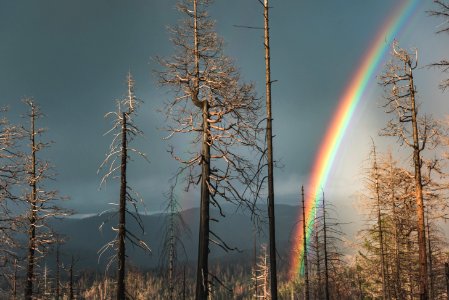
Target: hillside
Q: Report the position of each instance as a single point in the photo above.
(236, 229)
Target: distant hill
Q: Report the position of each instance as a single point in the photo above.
(236, 229)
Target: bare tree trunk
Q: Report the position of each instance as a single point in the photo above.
(410, 270)
(255, 261)
(265, 277)
(431, 290)
(33, 212)
(398, 284)
(202, 280)
(271, 216)
(122, 214)
(326, 267)
(202, 288)
(304, 240)
(397, 274)
(318, 269)
(71, 280)
(57, 270)
(423, 287)
(171, 257)
(45, 279)
(402, 102)
(379, 224)
(446, 269)
(262, 275)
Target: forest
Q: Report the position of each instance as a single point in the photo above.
(237, 241)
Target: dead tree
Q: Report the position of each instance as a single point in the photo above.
(304, 240)
(71, 279)
(381, 240)
(219, 114)
(255, 257)
(326, 257)
(124, 131)
(269, 140)
(41, 202)
(411, 130)
(391, 186)
(442, 11)
(379, 221)
(10, 166)
(396, 187)
(175, 227)
(446, 272)
(430, 252)
(317, 246)
(261, 276)
(58, 265)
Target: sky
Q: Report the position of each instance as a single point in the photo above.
(72, 57)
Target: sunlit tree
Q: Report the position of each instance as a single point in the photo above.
(219, 114)
(413, 130)
(123, 130)
(41, 203)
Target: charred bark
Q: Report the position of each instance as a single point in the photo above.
(269, 139)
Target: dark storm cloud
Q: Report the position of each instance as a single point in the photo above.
(73, 56)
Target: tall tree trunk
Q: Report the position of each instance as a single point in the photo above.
(171, 259)
(71, 280)
(410, 267)
(122, 214)
(269, 138)
(446, 269)
(57, 270)
(431, 290)
(33, 211)
(202, 276)
(255, 260)
(423, 284)
(45, 280)
(202, 288)
(326, 267)
(304, 240)
(266, 293)
(398, 283)
(379, 225)
(397, 273)
(318, 269)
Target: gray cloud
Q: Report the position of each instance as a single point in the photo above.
(73, 56)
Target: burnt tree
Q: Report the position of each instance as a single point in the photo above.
(220, 115)
(411, 130)
(41, 203)
(124, 130)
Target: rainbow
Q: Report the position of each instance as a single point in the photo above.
(337, 127)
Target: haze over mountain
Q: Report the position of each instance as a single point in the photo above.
(236, 229)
